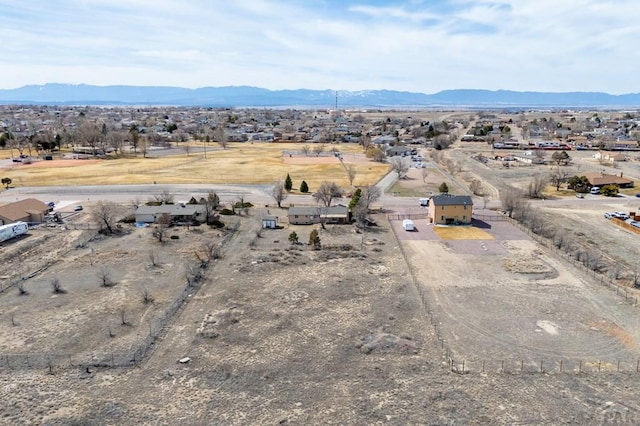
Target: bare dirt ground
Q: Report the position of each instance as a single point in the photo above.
(280, 334)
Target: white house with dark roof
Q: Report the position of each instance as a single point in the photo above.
(308, 215)
(177, 212)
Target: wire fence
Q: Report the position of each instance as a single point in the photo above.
(514, 365)
(412, 216)
(54, 361)
(543, 366)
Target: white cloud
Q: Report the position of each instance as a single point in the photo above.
(422, 46)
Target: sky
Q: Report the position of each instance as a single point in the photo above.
(414, 45)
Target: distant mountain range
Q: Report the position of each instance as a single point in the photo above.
(245, 96)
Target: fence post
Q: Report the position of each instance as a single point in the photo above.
(561, 366)
(580, 367)
(483, 366)
(541, 369)
(618, 367)
(521, 366)
(599, 365)
(502, 367)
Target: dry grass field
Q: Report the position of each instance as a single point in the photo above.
(461, 233)
(258, 163)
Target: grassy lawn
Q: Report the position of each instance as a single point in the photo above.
(258, 163)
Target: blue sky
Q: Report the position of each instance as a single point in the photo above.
(413, 45)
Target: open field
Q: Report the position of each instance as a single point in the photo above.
(247, 163)
(280, 334)
(516, 302)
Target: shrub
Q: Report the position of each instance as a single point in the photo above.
(314, 239)
(227, 212)
(175, 237)
(130, 218)
(245, 205)
(216, 223)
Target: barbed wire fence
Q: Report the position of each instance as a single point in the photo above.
(513, 364)
(424, 300)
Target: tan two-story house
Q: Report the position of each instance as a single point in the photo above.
(446, 209)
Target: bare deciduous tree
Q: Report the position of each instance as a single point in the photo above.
(211, 204)
(511, 199)
(104, 216)
(165, 197)
(318, 149)
(326, 193)
(424, 173)
(476, 187)
(104, 276)
(537, 184)
(351, 173)
(278, 193)
(558, 177)
(143, 146)
(161, 227)
(369, 195)
(399, 165)
(306, 150)
(218, 135)
(22, 289)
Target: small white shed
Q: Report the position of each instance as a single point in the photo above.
(270, 222)
(408, 225)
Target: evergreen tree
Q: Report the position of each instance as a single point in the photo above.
(355, 198)
(304, 188)
(288, 184)
(314, 239)
(293, 237)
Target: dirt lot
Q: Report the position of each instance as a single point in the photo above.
(280, 334)
(87, 317)
(507, 299)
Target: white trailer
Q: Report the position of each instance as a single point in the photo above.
(424, 202)
(408, 225)
(13, 230)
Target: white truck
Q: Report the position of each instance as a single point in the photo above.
(424, 202)
(13, 230)
(408, 225)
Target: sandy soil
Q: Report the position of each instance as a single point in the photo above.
(281, 334)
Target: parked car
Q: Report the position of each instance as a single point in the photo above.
(595, 190)
(580, 195)
(620, 215)
(638, 195)
(608, 215)
(77, 209)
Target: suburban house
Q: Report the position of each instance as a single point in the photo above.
(307, 215)
(610, 156)
(177, 212)
(447, 209)
(398, 151)
(602, 179)
(28, 210)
